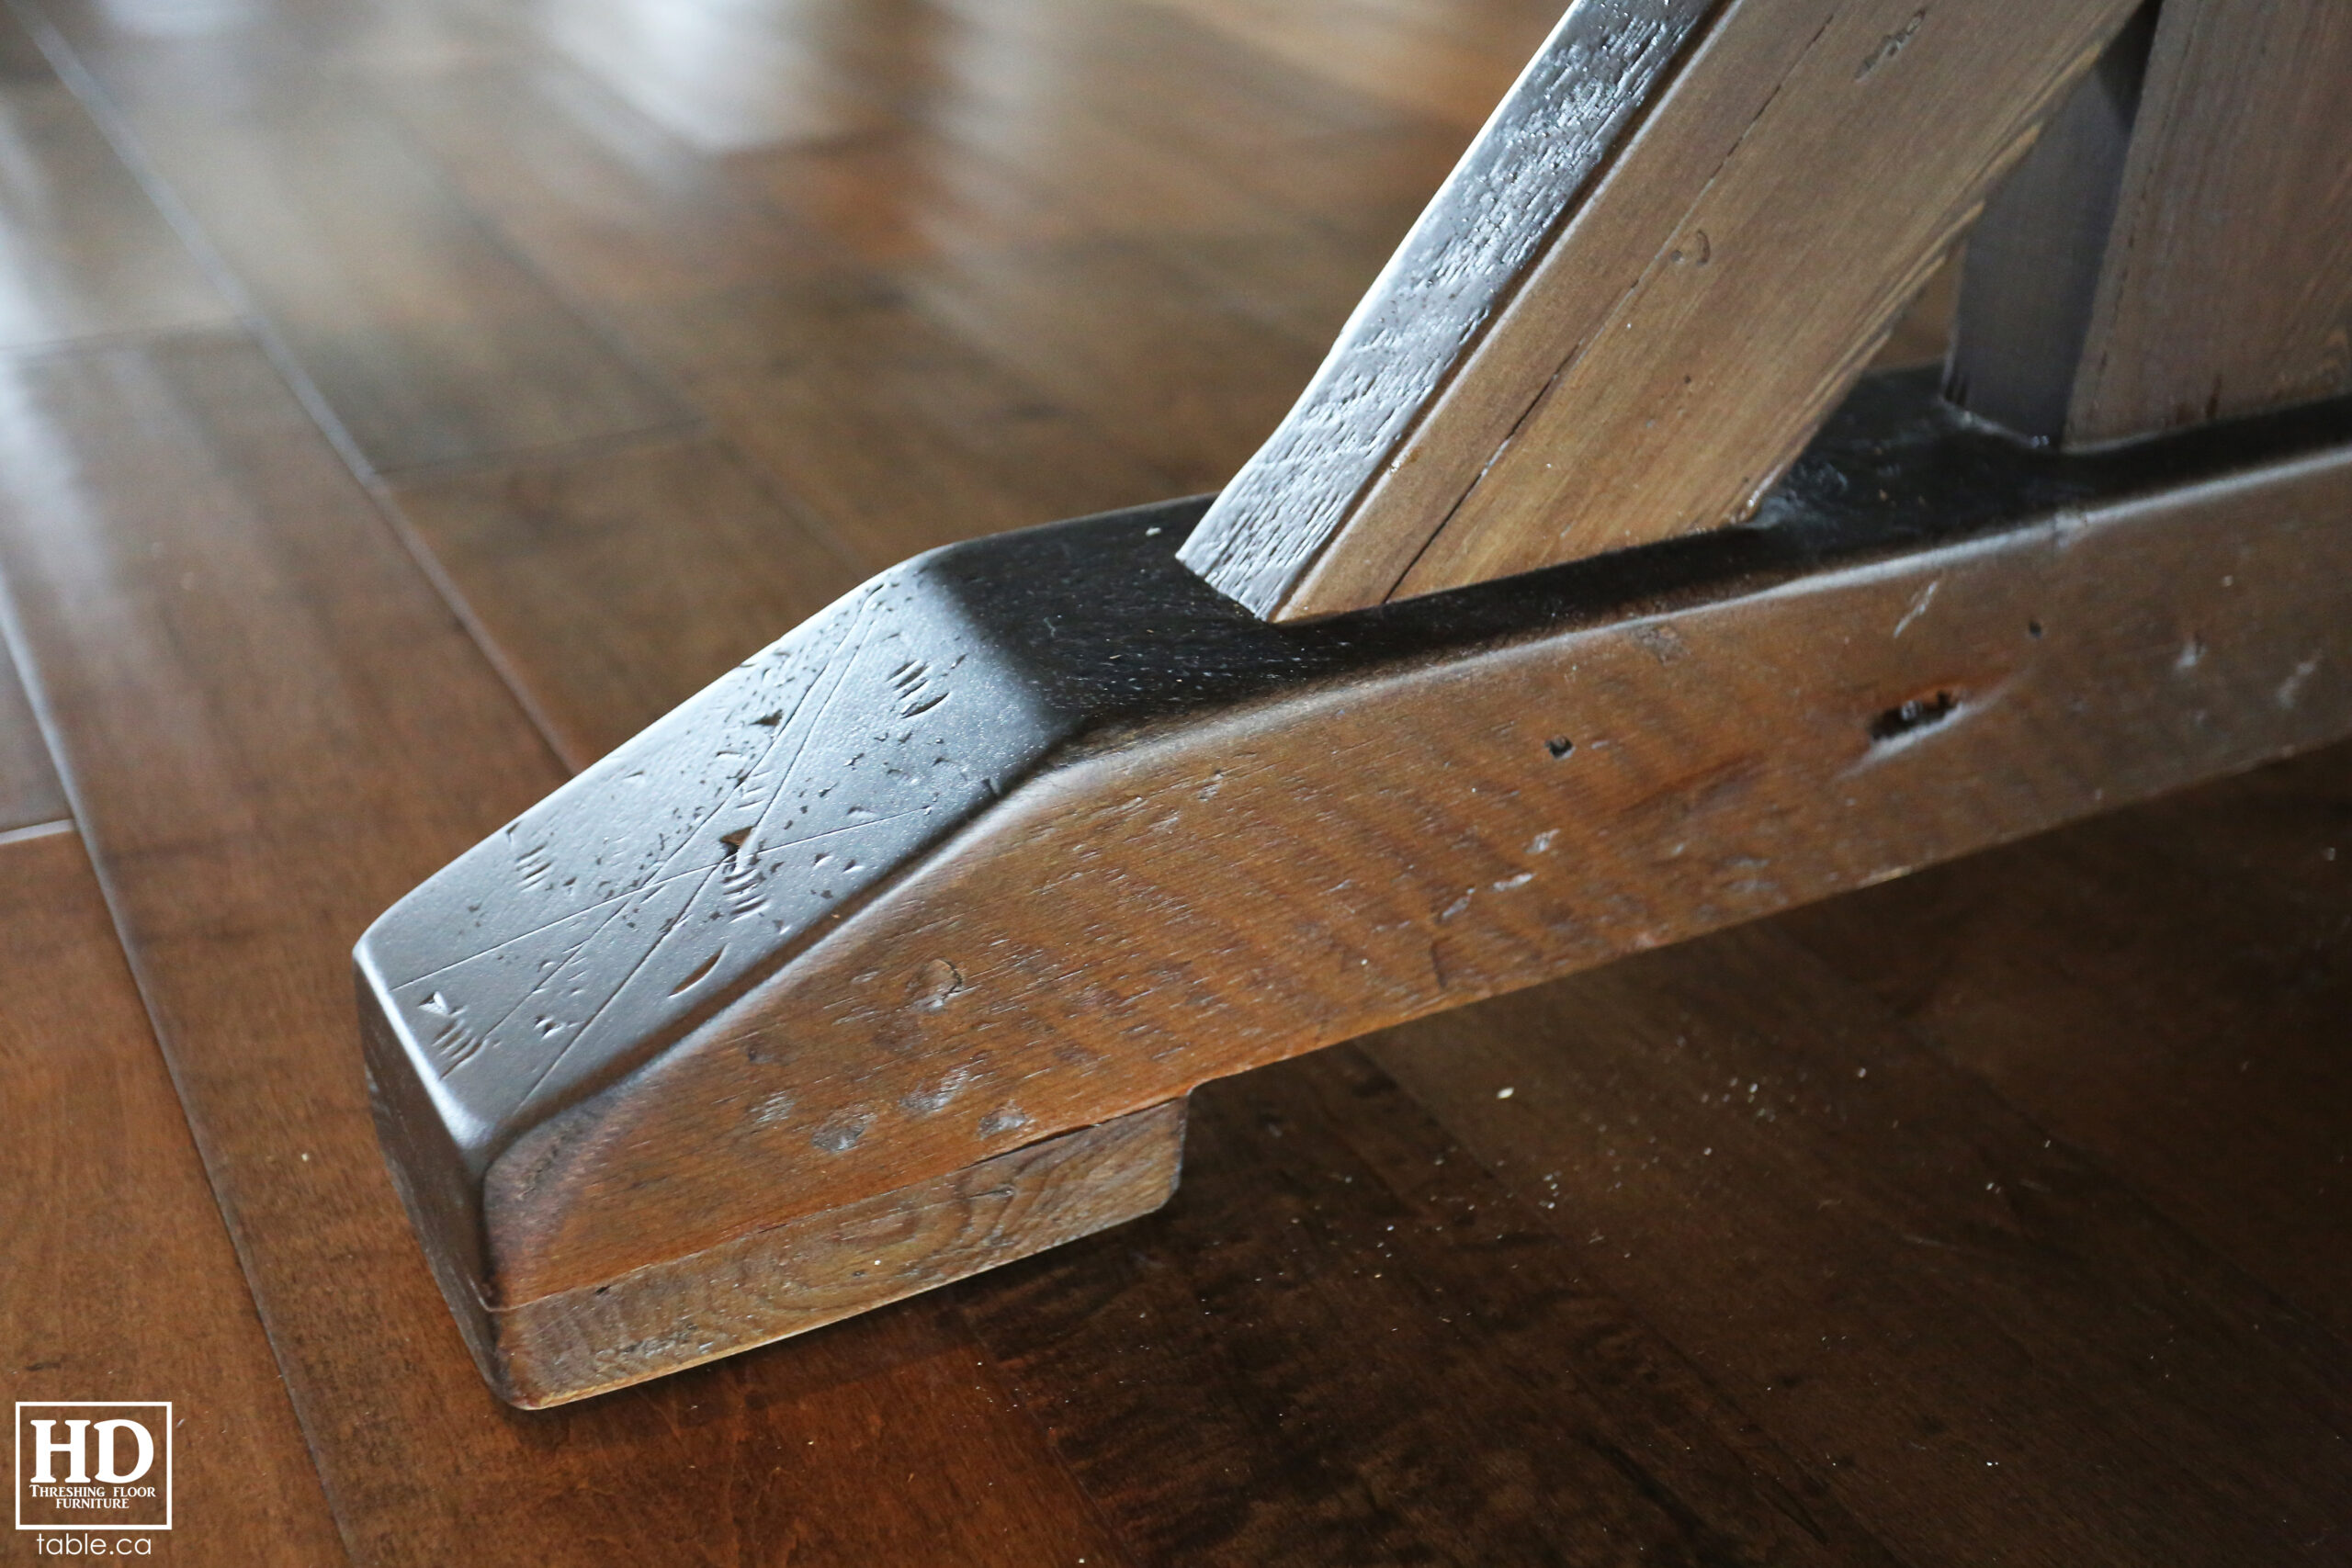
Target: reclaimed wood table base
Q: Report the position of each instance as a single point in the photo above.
(1039, 832)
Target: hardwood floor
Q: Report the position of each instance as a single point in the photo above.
(121, 1283)
(401, 403)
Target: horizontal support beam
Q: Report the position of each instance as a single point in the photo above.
(1039, 832)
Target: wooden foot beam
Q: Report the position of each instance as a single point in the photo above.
(916, 928)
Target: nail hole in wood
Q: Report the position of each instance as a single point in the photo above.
(1559, 746)
(1906, 718)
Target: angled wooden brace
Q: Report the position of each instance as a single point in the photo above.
(892, 955)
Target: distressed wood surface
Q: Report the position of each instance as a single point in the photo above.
(562, 1007)
(121, 1283)
(804, 1274)
(1667, 339)
(2229, 283)
(2180, 252)
(1466, 254)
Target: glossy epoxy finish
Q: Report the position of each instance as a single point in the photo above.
(1075, 256)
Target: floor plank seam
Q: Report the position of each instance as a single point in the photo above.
(118, 135)
(19, 650)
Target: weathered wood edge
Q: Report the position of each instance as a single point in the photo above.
(2227, 283)
(1440, 292)
(1095, 619)
(792, 1277)
(1555, 430)
(2174, 250)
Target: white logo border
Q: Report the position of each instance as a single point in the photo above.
(16, 1456)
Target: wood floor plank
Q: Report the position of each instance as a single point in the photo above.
(29, 792)
(83, 252)
(1187, 383)
(766, 292)
(722, 78)
(1144, 122)
(606, 205)
(618, 584)
(909, 194)
(1447, 63)
(1344, 1342)
(1993, 1350)
(121, 1283)
(171, 40)
(427, 338)
(895, 432)
(178, 540)
(2166, 989)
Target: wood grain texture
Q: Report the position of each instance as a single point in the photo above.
(897, 433)
(1262, 1412)
(1689, 319)
(2166, 992)
(1996, 1348)
(805, 1274)
(1345, 1342)
(2180, 252)
(1191, 383)
(1923, 333)
(1566, 114)
(120, 1282)
(2229, 282)
(601, 203)
(767, 291)
(1671, 404)
(29, 794)
(422, 333)
(333, 734)
(568, 1002)
(1440, 63)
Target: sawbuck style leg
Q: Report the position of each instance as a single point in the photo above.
(892, 955)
